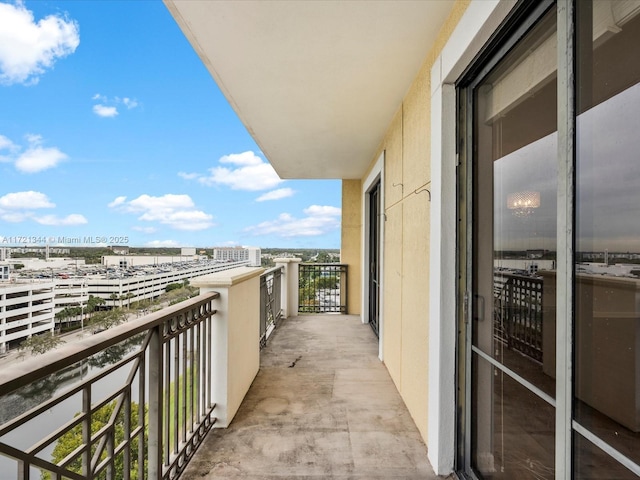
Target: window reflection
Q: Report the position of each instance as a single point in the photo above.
(515, 191)
(521, 443)
(607, 289)
(515, 205)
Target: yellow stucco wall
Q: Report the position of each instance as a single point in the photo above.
(350, 251)
(406, 235)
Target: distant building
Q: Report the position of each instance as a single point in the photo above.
(230, 254)
(128, 261)
(25, 309)
(255, 257)
(48, 265)
(28, 308)
(188, 251)
(41, 250)
(70, 293)
(119, 249)
(4, 272)
(238, 254)
(529, 264)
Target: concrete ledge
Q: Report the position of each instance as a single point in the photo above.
(287, 260)
(227, 278)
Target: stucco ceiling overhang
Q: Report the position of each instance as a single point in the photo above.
(316, 83)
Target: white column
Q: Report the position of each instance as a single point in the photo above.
(290, 293)
(235, 339)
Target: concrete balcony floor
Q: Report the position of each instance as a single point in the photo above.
(322, 406)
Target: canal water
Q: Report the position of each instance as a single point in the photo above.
(39, 392)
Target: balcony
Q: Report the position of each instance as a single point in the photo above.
(189, 390)
(322, 406)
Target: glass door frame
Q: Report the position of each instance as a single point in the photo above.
(515, 26)
(374, 239)
(566, 428)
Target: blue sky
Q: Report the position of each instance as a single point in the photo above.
(112, 129)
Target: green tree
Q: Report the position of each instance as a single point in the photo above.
(173, 286)
(72, 440)
(107, 319)
(37, 344)
(307, 290)
(93, 303)
(63, 314)
(128, 297)
(113, 297)
(327, 282)
(324, 257)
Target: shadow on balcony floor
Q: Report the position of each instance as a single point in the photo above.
(322, 406)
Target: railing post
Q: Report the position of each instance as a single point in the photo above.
(289, 290)
(277, 297)
(235, 336)
(343, 288)
(155, 404)
(263, 309)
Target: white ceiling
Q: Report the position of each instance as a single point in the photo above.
(316, 83)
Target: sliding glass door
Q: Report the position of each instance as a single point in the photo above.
(524, 358)
(606, 381)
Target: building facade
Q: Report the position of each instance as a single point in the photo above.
(4, 271)
(148, 286)
(128, 261)
(467, 133)
(26, 309)
(238, 254)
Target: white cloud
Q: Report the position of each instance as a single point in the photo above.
(323, 211)
(244, 158)
(168, 202)
(14, 217)
(54, 220)
(176, 211)
(188, 176)
(247, 172)
(104, 111)
(9, 147)
(108, 106)
(19, 206)
(117, 201)
(28, 48)
(275, 194)
(319, 220)
(129, 103)
(37, 158)
(25, 201)
(163, 243)
(6, 144)
(33, 139)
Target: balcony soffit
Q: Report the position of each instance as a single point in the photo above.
(315, 83)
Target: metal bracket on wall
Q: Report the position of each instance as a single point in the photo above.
(420, 190)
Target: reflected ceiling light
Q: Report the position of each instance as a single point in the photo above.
(522, 204)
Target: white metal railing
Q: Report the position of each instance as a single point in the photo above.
(270, 302)
(140, 409)
(518, 313)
